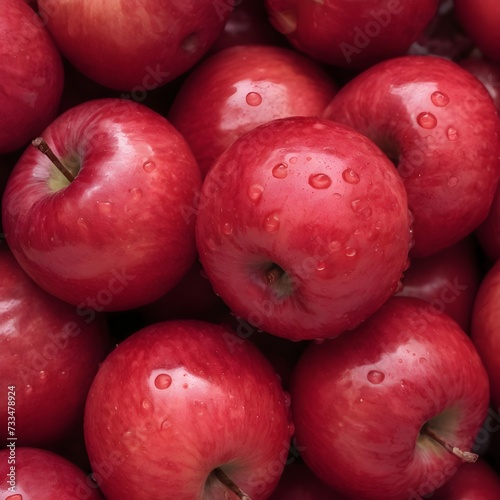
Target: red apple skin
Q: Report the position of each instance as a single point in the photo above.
(350, 33)
(43, 475)
(480, 20)
(359, 402)
(429, 115)
(485, 328)
(178, 399)
(117, 236)
(321, 207)
(448, 280)
(487, 72)
(31, 76)
(477, 481)
(48, 352)
(134, 45)
(243, 87)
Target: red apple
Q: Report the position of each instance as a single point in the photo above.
(481, 19)
(49, 354)
(485, 328)
(31, 473)
(116, 236)
(243, 87)
(182, 405)
(448, 280)
(487, 72)
(31, 76)
(430, 115)
(134, 47)
(392, 408)
(477, 481)
(303, 228)
(350, 33)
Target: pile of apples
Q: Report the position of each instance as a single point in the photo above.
(250, 249)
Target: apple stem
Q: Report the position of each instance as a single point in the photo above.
(229, 483)
(465, 456)
(42, 146)
(273, 274)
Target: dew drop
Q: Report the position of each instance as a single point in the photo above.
(149, 166)
(350, 176)
(400, 360)
(356, 205)
(165, 425)
(439, 99)
(104, 207)
(350, 252)
(255, 192)
(378, 225)
(452, 181)
(42, 374)
(336, 196)
(452, 134)
(427, 120)
(146, 405)
(271, 223)
(15, 496)
(253, 99)
(136, 193)
(227, 229)
(366, 212)
(163, 381)
(422, 360)
(334, 246)
(321, 265)
(184, 386)
(28, 390)
(375, 377)
(199, 403)
(293, 160)
(361, 400)
(320, 181)
(280, 171)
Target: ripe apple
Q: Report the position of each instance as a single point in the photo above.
(114, 237)
(31, 76)
(243, 87)
(136, 47)
(448, 280)
(480, 20)
(486, 71)
(429, 115)
(184, 409)
(48, 353)
(351, 34)
(485, 331)
(398, 400)
(476, 481)
(303, 228)
(28, 473)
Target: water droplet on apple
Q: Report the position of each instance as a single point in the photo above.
(400, 360)
(336, 196)
(15, 496)
(253, 99)
(427, 120)
(452, 181)
(136, 193)
(355, 205)
(191, 43)
(149, 166)
(165, 425)
(28, 390)
(375, 377)
(227, 228)
(211, 243)
(272, 223)
(104, 207)
(378, 225)
(350, 252)
(320, 181)
(422, 360)
(163, 381)
(334, 246)
(439, 99)
(293, 160)
(184, 386)
(255, 192)
(280, 171)
(321, 265)
(146, 404)
(42, 374)
(366, 212)
(452, 134)
(350, 176)
(361, 400)
(287, 400)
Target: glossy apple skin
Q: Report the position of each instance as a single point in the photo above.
(31, 76)
(137, 45)
(477, 481)
(429, 115)
(448, 280)
(318, 201)
(48, 352)
(44, 475)
(485, 330)
(117, 237)
(487, 72)
(358, 411)
(480, 20)
(224, 407)
(350, 33)
(243, 87)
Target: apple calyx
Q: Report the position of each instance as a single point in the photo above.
(42, 146)
(465, 456)
(230, 484)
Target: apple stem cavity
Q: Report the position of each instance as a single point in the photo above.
(465, 456)
(229, 483)
(42, 146)
(273, 274)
